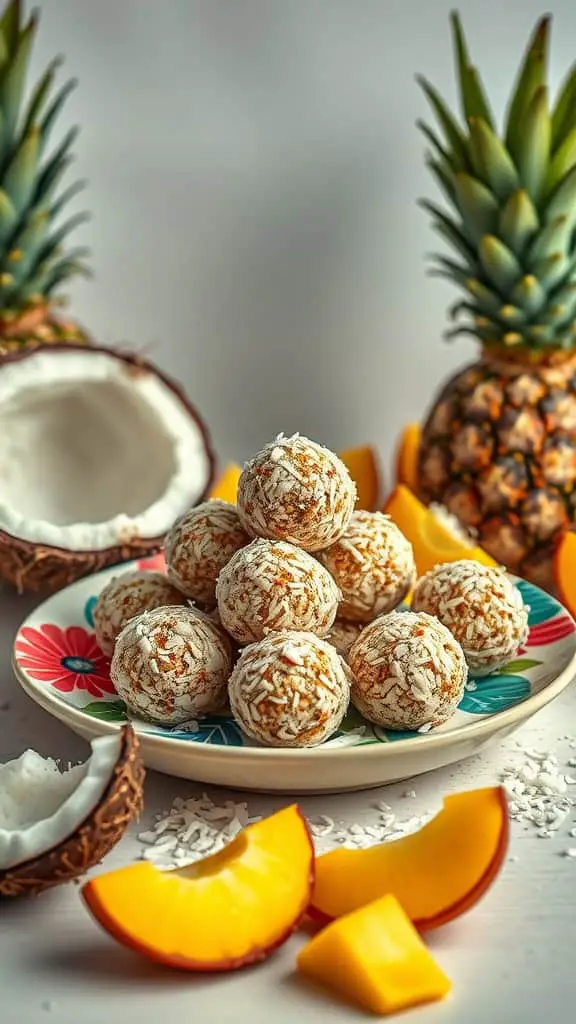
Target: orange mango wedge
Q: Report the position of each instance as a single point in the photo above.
(226, 487)
(431, 540)
(229, 910)
(375, 957)
(363, 466)
(437, 873)
(407, 456)
(565, 570)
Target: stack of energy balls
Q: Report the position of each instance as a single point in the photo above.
(284, 607)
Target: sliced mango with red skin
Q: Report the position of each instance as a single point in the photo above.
(437, 873)
(565, 570)
(375, 957)
(224, 912)
(407, 456)
(432, 542)
(364, 468)
(226, 486)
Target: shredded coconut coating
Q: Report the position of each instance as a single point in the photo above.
(297, 491)
(343, 634)
(291, 689)
(199, 545)
(128, 595)
(272, 585)
(409, 671)
(480, 606)
(373, 564)
(171, 665)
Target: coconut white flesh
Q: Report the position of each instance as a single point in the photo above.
(40, 806)
(92, 453)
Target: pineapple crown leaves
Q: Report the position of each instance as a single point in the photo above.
(511, 201)
(32, 259)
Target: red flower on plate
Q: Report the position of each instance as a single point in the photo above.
(67, 659)
(157, 563)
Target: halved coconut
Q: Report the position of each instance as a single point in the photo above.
(56, 825)
(100, 453)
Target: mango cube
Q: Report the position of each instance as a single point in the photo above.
(375, 957)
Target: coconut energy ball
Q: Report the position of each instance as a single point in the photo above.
(128, 595)
(271, 585)
(408, 672)
(373, 564)
(291, 689)
(343, 634)
(199, 545)
(480, 606)
(171, 665)
(297, 491)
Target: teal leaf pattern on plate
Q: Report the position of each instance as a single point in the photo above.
(216, 730)
(494, 693)
(107, 710)
(89, 611)
(542, 606)
(391, 735)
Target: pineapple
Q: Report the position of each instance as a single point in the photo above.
(498, 447)
(33, 264)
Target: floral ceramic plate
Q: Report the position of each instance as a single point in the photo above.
(58, 663)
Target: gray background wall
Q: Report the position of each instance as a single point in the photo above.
(254, 169)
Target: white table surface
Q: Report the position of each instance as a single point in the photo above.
(510, 959)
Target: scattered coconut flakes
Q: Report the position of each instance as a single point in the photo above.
(538, 792)
(196, 828)
(328, 834)
(193, 829)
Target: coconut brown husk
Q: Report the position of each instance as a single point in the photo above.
(45, 569)
(94, 838)
(39, 569)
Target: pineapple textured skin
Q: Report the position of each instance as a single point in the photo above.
(499, 451)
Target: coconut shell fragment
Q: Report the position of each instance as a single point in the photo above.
(94, 838)
(41, 569)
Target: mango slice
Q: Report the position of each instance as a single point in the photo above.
(407, 457)
(565, 570)
(437, 873)
(362, 464)
(226, 487)
(376, 958)
(432, 541)
(231, 909)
